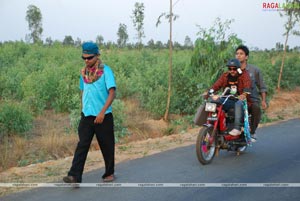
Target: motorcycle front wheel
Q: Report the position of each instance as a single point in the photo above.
(205, 145)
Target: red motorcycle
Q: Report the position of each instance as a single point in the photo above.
(216, 123)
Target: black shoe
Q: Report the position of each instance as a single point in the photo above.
(70, 179)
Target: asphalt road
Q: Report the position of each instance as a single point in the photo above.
(275, 158)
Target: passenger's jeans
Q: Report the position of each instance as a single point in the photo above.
(237, 105)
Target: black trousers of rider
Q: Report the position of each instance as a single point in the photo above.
(106, 140)
(255, 112)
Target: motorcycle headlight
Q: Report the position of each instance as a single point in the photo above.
(210, 107)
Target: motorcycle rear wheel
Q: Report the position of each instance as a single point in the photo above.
(205, 145)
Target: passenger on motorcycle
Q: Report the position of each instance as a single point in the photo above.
(239, 83)
(258, 89)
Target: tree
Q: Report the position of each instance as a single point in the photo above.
(138, 21)
(188, 42)
(177, 46)
(159, 45)
(34, 19)
(279, 46)
(49, 41)
(100, 40)
(77, 43)
(68, 40)
(151, 44)
(171, 17)
(110, 45)
(213, 47)
(122, 35)
(293, 16)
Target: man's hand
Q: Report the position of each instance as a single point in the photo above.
(99, 119)
(264, 105)
(215, 97)
(242, 97)
(205, 95)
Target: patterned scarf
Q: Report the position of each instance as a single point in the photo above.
(246, 124)
(92, 74)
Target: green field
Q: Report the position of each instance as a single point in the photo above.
(37, 78)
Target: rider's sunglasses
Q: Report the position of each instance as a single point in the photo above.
(87, 58)
(232, 69)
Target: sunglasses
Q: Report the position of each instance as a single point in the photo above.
(87, 58)
(232, 69)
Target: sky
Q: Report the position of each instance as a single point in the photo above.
(87, 19)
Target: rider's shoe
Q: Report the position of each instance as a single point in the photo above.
(243, 148)
(253, 138)
(235, 132)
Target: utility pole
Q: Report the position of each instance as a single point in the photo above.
(166, 116)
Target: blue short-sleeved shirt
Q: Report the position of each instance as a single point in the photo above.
(95, 94)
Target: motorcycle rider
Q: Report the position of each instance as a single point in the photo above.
(258, 88)
(240, 83)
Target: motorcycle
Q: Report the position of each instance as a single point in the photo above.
(214, 136)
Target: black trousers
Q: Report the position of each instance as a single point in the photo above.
(106, 140)
(255, 111)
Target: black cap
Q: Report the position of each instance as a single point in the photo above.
(233, 62)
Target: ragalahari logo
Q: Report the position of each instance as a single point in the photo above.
(276, 6)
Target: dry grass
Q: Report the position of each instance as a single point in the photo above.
(52, 138)
(48, 140)
(13, 150)
(140, 123)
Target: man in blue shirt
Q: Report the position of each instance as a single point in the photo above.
(97, 85)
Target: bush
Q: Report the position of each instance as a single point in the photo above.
(14, 119)
(119, 119)
(11, 52)
(67, 92)
(291, 72)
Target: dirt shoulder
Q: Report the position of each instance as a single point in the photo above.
(284, 106)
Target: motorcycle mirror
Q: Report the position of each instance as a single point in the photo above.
(226, 90)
